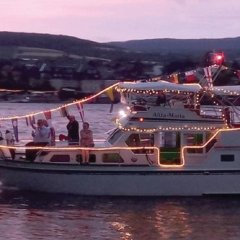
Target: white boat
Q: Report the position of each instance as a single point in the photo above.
(165, 144)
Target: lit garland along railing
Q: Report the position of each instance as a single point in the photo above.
(84, 100)
(151, 130)
(28, 91)
(12, 91)
(152, 91)
(49, 148)
(182, 157)
(214, 91)
(156, 92)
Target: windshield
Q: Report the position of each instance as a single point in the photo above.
(114, 136)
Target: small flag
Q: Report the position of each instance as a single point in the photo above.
(208, 76)
(30, 120)
(15, 128)
(48, 115)
(80, 110)
(174, 78)
(109, 93)
(63, 112)
(190, 77)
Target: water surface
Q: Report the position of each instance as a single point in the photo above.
(27, 215)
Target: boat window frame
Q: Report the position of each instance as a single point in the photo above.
(114, 136)
(58, 156)
(141, 140)
(227, 158)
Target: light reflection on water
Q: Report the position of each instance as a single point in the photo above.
(47, 216)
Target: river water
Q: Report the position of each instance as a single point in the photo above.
(26, 215)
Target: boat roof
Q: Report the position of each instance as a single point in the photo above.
(160, 86)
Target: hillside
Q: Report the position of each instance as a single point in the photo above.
(231, 46)
(69, 45)
(163, 50)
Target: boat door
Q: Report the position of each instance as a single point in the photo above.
(169, 145)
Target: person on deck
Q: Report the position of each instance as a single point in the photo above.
(86, 140)
(10, 142)
(73, 131)
(52, 134)
(41, 137)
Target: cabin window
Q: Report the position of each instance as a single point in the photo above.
(60, 158)
(169, 143)
(92, 158)
(227, 158)
(169, 139)
(138, 108)
(141, 101)
(161, 99)
(112, 158)
(141, 140)
(194, 139)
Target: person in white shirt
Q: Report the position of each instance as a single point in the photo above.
(41, 138)
(52, 134)
(10, 142)
(41, 135)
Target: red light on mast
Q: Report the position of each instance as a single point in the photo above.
(214, 58)
(219, 58)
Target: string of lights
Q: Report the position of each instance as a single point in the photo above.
(84, 100)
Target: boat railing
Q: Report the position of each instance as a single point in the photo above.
(111, 155)
(117, 155)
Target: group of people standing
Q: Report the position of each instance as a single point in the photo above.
(44, 135)
(84, 138)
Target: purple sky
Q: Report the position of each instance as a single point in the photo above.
(113, 20)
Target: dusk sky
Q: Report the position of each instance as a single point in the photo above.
(120, 20)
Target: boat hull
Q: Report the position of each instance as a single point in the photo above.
(117, 181)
